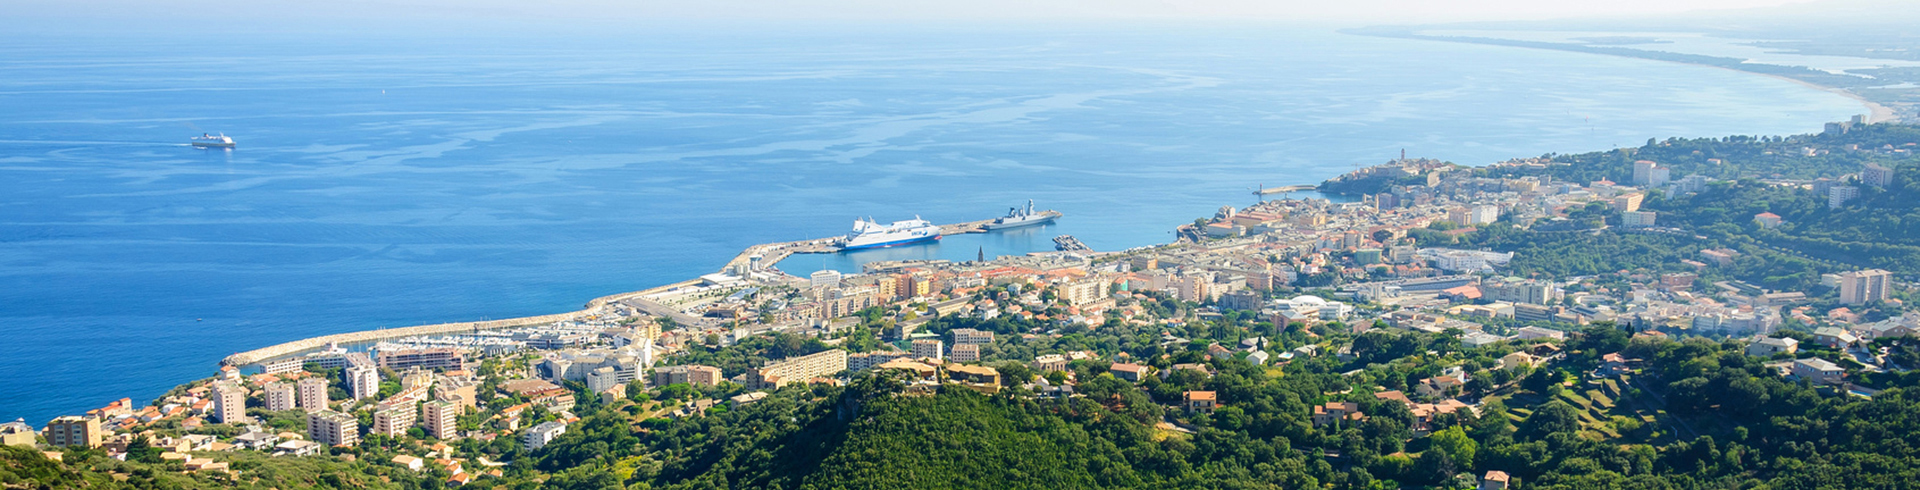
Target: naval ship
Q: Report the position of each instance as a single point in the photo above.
(870, 234)
(1018, 217)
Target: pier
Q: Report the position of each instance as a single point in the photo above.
(1283, 190)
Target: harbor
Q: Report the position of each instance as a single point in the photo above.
(753, 264)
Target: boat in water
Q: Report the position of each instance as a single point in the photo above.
(1018, 217)
(205, 140)
(870, 234)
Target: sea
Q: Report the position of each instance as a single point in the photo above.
(402, 177)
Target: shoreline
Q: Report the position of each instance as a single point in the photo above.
(1876, 112)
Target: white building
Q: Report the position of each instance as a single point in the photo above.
(538, 436)
(824, 279)
(1637, 219)
(929, 349)
(363, 381)
(1464, 260)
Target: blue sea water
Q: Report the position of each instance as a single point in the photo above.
(392, 179)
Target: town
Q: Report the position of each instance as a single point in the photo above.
(1393, 292)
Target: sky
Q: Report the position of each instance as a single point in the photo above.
(1354, 12)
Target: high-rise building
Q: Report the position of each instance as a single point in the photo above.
(281, 396)
(1840, 194)
(1875, 175)
(1483, 214)
(363, 381)
(1195, 287)
(393, 420)
(438, 418)
(929, 349)
(1085, 291)
(313, 393)
(1637, 219)
(229, 403)
(1647, 174)
(1628, 202)
(966, 353)
(1861, 287)
(333, 428)
(73, 430)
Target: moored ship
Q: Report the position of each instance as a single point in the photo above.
(870, 234)
(1018, 217)
(205, 140)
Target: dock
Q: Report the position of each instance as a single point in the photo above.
(1283, 190)
(773, 253)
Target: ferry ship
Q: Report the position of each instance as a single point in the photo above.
(205, 140)
(1018, 217)
(870, 234)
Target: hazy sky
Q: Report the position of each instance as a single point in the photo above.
(1341, 11)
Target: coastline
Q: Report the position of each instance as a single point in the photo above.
(1876, 112)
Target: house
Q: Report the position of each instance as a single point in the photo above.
(1200, 401)
(410, 462)
(1336, 412)
(1128, 371)
(1613, 365)
(1834, 337)
(1439, 385)
(1818, 371)
(1203, 369)
(1518, 359)
(1258, 358)
(297, 448)
(1767, 347)
(256, 440)
(1495, 480)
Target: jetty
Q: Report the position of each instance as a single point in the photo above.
(1284, 190)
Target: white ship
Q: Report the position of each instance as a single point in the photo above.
(870, 234)
(1018, 217)
(212, 141)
